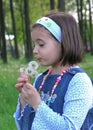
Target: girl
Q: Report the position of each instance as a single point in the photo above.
(61, 96)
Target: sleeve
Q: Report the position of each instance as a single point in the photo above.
(78, 100)
(24, 118)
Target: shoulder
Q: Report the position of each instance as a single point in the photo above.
(80, 86)
(81, 79)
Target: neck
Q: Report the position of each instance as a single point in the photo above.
(59, 69)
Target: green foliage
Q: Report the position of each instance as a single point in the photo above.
(87, 64)
(8, 94)
(36, 10)
(70, 5)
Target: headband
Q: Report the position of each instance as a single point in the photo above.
(51, 26)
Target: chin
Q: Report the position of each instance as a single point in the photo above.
(44, 64)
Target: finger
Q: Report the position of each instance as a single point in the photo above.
(24, 94)
(19, 86)
(22, 79)
(27, 86)
(25, 76)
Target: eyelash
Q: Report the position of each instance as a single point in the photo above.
(41, 45)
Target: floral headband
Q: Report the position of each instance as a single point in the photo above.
(52, 27)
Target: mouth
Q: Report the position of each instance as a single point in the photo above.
(39, 59)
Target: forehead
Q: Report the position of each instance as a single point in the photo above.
(39, 32)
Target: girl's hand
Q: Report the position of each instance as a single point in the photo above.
(23, 78)
(30, 95)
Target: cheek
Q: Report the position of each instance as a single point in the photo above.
(54, 55)
(57, 53)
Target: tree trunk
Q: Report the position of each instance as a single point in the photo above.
(85, 31)
(14, 30)
(22, 22)
(52, 4)
(90, 27)
(80, 15)
(61, 5)
(2, 31)
(28, 45)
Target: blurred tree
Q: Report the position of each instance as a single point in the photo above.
(70, 5)
(3, 52)
(16, 52)
(90, 26)
(61, 5)
(21, 9)
(85, 23)
(52, 4)
(17, 21)
(28, 45)
(80, 15)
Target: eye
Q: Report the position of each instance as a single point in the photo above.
(38, 43)
(41, 45)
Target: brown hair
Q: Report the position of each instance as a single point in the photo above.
(72, 49)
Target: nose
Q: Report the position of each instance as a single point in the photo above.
(35, 50)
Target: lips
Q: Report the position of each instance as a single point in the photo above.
(39, 59)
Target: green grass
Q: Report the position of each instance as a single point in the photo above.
(87, 64)
(8, 94)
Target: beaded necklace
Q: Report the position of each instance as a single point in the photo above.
(55, 85)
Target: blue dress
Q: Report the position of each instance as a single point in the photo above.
(68, 108)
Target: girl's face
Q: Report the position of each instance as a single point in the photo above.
(46, 48)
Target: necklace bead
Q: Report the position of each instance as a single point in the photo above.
(56, 83)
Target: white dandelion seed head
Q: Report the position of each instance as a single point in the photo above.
(34, 74)
(33, 65)
(27, 70)
(31, 69)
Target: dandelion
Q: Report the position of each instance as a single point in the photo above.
(31, 69)
(33, 74)
(33, 65)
